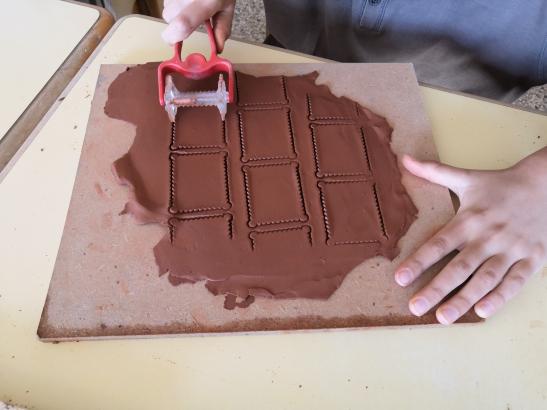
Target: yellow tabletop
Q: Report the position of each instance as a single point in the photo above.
(500, 364)
(37, 36)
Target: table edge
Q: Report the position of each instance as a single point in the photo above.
(22, 128)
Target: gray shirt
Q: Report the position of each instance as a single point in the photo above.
(492, 48)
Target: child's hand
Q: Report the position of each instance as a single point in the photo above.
(184, 16)
(500, 231)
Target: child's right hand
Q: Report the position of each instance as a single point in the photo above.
(184, 16)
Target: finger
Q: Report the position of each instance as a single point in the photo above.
(448, 279)
(176, 31)
(483, 281)
(449, 238)
(222, 23)
(455, 179)
(513, 282)
(189, 19)
(172, 8)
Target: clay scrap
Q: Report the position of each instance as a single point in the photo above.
(295, 189)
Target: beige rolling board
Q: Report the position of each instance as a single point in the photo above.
(499, 364)
(44, 44)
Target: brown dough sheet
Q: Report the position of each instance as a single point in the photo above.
(283, 200)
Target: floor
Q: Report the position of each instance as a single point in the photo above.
(249, 21)
(535, 99)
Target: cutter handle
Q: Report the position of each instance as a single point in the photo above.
(212, 43)
(196, 66)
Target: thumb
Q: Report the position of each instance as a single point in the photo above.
(222, 26)
(455, 179)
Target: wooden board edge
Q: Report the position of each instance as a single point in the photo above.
(48, 333)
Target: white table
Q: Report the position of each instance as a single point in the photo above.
(496, 365)
(44, 43)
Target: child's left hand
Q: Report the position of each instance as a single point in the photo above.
(500, 231)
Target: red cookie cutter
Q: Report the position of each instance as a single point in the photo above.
(196, 66)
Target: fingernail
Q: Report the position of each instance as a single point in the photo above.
(174, 33)
(419, 306)
(447, 315)
(484, 309)
(403, 277)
